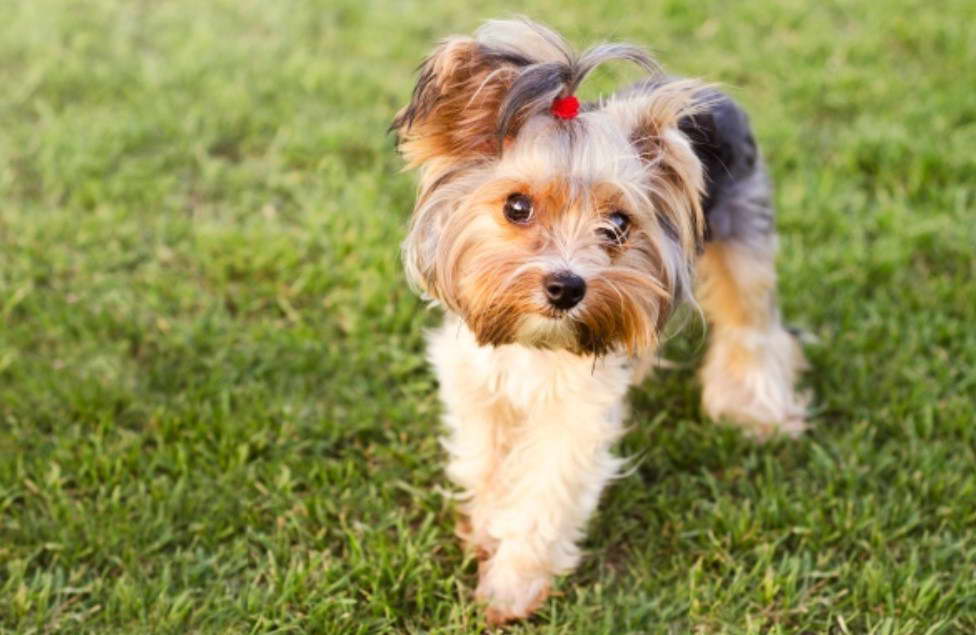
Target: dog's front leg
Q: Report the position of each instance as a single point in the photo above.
(544, 489)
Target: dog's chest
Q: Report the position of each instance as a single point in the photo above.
(530, 378)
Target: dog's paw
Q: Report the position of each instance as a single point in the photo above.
(508, 594)
(750, 381)
(478, 544)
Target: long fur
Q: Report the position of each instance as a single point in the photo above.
(533, 393)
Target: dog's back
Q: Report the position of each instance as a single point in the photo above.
(738, 196)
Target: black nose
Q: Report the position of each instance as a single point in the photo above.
(564, 289)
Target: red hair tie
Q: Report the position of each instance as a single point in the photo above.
(565, 107)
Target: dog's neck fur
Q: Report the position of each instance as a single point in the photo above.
(529, 377)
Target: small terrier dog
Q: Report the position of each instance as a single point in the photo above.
(559, 238)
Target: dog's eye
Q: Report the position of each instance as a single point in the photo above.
(619, 226)
(518, 208)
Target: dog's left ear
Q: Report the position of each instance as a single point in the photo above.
(455, 107)
(651, 115)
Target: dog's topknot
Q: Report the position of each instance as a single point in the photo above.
(473, 93)
(548, 67)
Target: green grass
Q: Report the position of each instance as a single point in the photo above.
(215, 415)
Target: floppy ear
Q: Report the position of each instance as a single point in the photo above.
(454, 111)
(651, 114)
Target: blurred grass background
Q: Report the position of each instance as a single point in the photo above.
(214, 411)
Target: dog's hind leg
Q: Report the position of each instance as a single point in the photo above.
(753, 363)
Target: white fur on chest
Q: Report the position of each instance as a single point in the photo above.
(528, 434)
(529, 379)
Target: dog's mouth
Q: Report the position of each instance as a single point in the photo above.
(590, 341)
(558, 315)
(562, 330)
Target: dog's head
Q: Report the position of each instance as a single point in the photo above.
(535, 223)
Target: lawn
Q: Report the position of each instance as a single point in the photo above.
(215, 413)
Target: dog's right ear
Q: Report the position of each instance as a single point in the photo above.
(453, 114)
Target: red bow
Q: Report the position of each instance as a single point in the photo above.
(565, 107)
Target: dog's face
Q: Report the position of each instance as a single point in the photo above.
(560, 233)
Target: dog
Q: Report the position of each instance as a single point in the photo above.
(559, 238)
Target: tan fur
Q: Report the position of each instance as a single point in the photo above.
(736, 293)
(456, 116)
(753, 363)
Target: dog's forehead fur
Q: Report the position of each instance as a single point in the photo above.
(594, 148)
